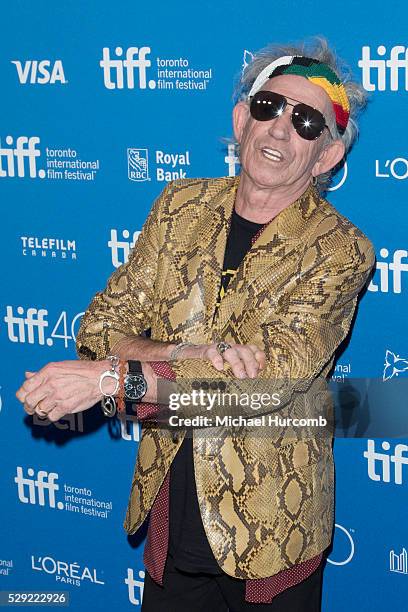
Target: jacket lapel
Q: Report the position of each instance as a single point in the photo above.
(207, 258)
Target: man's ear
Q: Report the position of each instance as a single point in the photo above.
(329, 157)
(240, 116)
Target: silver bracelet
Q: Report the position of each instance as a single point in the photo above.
(178, 348)
(108, 401)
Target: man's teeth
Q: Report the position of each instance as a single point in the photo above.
(272, 154)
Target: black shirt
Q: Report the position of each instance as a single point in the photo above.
(188, 543)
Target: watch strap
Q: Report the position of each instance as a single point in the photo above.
(135, 367)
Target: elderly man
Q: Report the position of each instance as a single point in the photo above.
(253, 278)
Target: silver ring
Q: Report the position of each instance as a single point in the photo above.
(40, 413)
(222, 347)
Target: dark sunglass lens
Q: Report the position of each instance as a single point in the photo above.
(266, 105)
(307, 121)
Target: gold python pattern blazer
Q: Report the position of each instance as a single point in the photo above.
(266, 503)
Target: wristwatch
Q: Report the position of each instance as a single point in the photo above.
(135, 382)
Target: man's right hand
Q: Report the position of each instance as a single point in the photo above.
(246, 360)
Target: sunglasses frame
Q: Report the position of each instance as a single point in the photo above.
(285, 103)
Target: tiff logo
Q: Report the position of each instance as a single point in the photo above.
(374, 458)
(397, 267)
(399, 563)
(18, 326)
(114, 70)
(398, 60)
(124, 246)
(40, 72)
(133, 584)
(25, 148)
(37, 488)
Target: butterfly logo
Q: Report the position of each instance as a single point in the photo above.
(393, 365)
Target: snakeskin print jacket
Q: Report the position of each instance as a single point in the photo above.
(266, 501)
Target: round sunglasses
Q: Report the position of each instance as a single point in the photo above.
(308, 122)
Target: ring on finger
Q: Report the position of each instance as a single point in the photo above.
(41, 413)
(221, 347)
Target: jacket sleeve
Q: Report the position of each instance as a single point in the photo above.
(124, 307)
(302, 333)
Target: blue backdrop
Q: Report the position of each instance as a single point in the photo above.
(95, 119)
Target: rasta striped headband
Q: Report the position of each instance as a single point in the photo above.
(316, 72)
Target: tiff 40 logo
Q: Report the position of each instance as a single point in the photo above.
(30, 326)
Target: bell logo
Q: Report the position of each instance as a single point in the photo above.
(33, 490)
(397, 63)
(40, 72)
(114, 70)
(385, 460)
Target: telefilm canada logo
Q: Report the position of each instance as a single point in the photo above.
(138, 68)
(23, 157)
(47, 247)
(66, 572)
(168, 166)
(40, 72)
(42, 488)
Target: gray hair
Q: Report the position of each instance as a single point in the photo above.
(316, 48)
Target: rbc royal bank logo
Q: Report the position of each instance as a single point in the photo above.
(388, 73)
(40, 72)
(138, 164)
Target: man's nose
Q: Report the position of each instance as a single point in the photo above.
(280, 127)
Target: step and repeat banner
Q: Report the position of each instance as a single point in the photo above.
(102, 104)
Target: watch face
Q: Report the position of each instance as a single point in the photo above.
(135, 386)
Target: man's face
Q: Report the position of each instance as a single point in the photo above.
(272, 153)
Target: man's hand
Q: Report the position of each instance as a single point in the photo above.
(63, 387)
(246, 360)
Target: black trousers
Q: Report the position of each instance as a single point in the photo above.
(185, 592)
